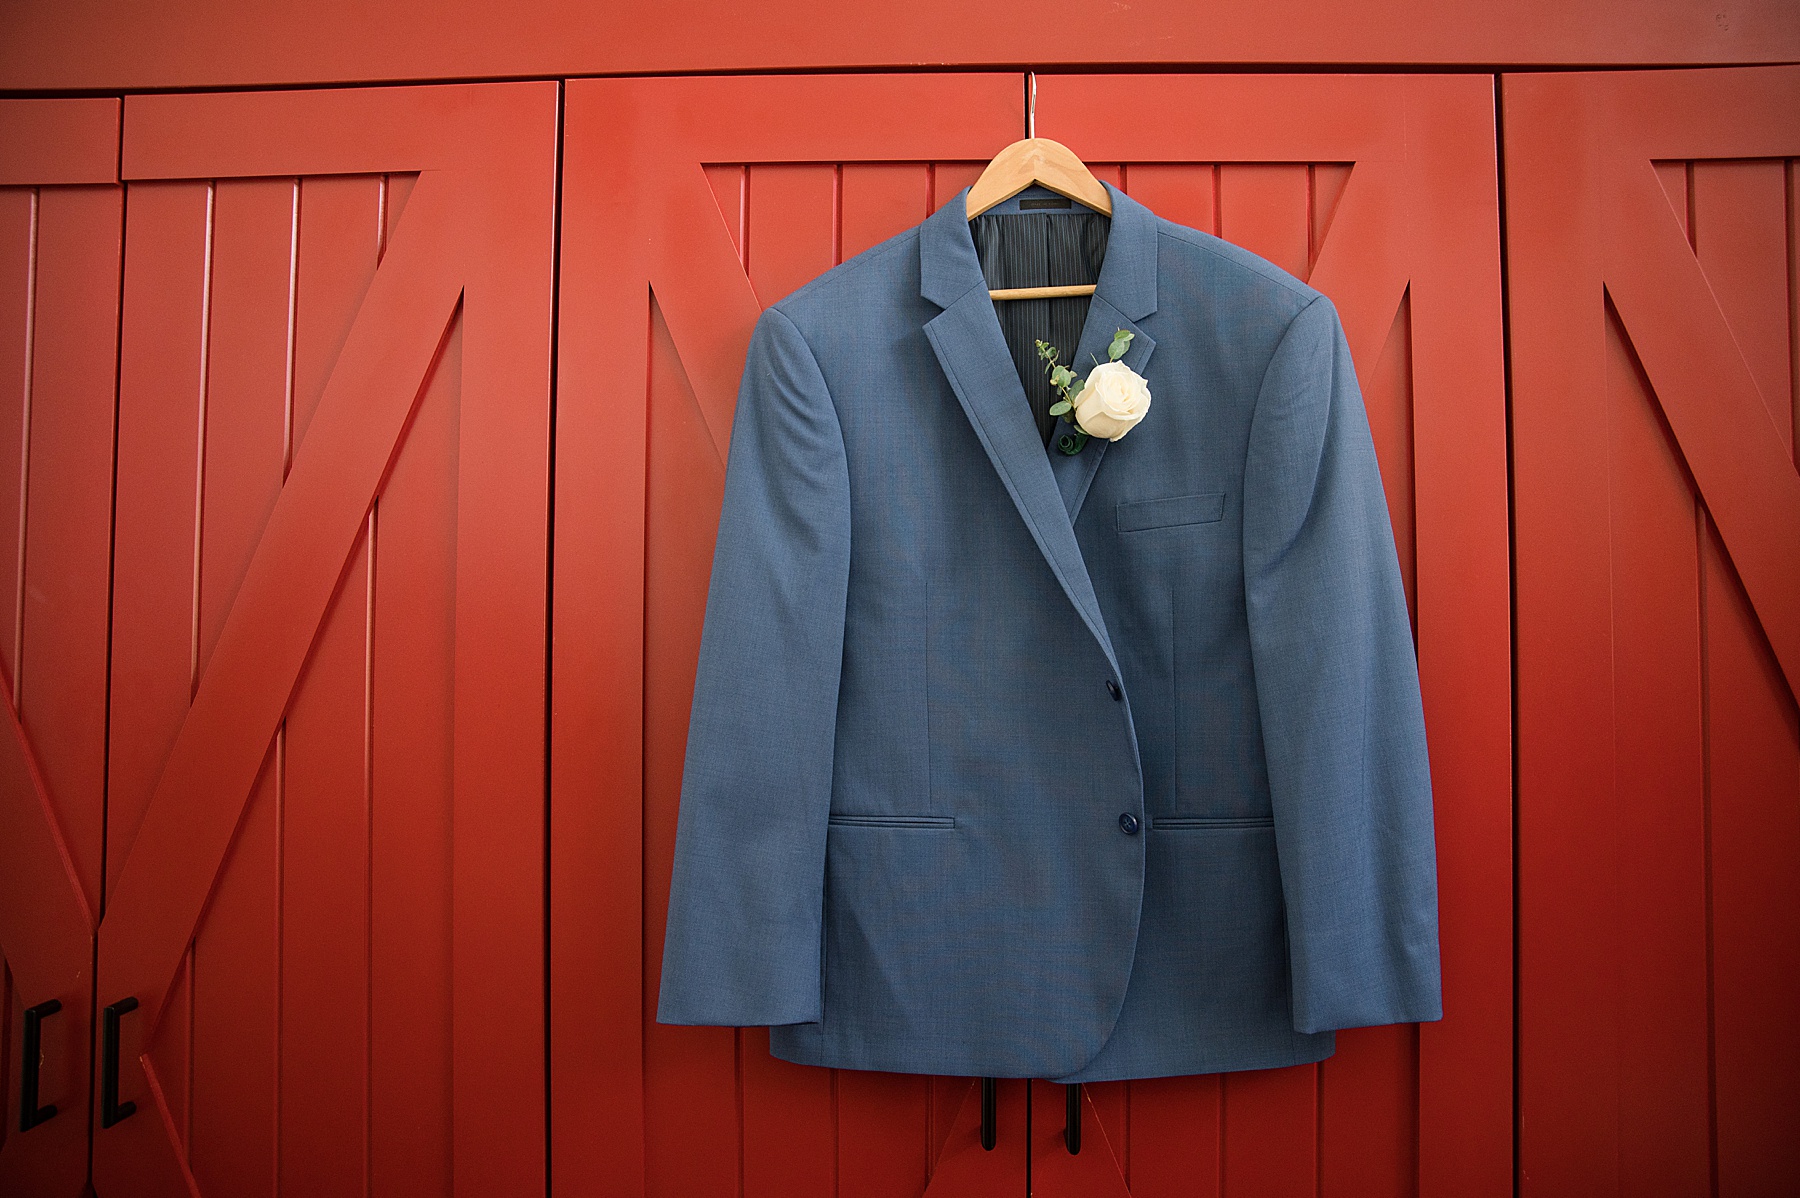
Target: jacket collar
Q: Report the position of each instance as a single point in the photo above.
(1048, 487)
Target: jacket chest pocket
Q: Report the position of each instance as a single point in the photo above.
(1142, 515)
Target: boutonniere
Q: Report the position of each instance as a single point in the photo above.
(1108, 403)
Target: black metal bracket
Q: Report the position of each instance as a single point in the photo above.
(30, 1113)
(111, 1109)
(1072, 1119)
(990, 1112)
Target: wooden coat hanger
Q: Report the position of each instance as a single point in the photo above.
(1049, 164)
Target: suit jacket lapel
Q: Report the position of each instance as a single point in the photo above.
(971, 347)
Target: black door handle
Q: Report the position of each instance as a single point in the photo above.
(989, 1112)
(30, 1113)
(111, 1109)
(1072, 1119)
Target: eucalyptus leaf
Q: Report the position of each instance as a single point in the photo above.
(1057, 409)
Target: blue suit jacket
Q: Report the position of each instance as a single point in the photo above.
(1010, 763)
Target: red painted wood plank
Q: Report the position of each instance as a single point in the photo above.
(46, 142)
(789, 1124)
(1569, 1032)
(881, 1117)
(18, 266)
(231, 1137)
(60, 676)
(878, 200)
(340, 236)
(1464, 621)
(1661, 833)
(793, 226)
(1185, 192)
(1741, 239)
(326, 866)
(321, 1072)
(244, 401)
(154, 597)
(1263, 207)
(1176, 1146)
(502, 639)
(1271, 1131)
(694, 1091)
(1753, 763)
(409, 1092)
(1389, 401)
(158, 472)
(1369, 1113)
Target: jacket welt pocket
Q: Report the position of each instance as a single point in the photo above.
(1136, 515)
(841, 820)
(1176, 823)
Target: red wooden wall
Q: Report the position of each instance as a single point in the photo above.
(368, 448)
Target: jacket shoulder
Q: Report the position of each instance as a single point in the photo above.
(1187, 250)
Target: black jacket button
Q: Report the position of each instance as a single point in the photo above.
(1128, 824)
(1112, 688)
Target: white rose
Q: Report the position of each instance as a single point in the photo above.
(1112, 401)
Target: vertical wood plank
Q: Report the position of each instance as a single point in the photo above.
(1368, 1114)
(244, 392)
(1753, 767)
(1328, 180)
(1664, 1135)
(1464, 617)
(410, 1140)
(1271, 1132)
(168, 239)
(878, 201)
(499, 968)
(881, 1148)
(948, 178)
(792, 224)
(1181, 192)
(325, 880)
(18, 286)
(1263, 207)
(60, 678)
(1740, 235)
(1388, 400)
(693, 1097)
(324, 905)
(1176, 1148)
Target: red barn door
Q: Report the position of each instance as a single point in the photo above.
(325, 828)
(1653, 242)
(60, 226)
(1382, 191)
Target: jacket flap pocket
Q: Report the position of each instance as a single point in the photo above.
(1138, 514)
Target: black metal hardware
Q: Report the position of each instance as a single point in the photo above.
(1072, 1119)
(30, 1113)
(111, 1109)
(990, 1104)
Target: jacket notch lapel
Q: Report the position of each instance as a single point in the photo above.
(970, 346)
(1048, 487)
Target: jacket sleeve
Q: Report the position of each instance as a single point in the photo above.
(1338, 692)
(742, 945)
